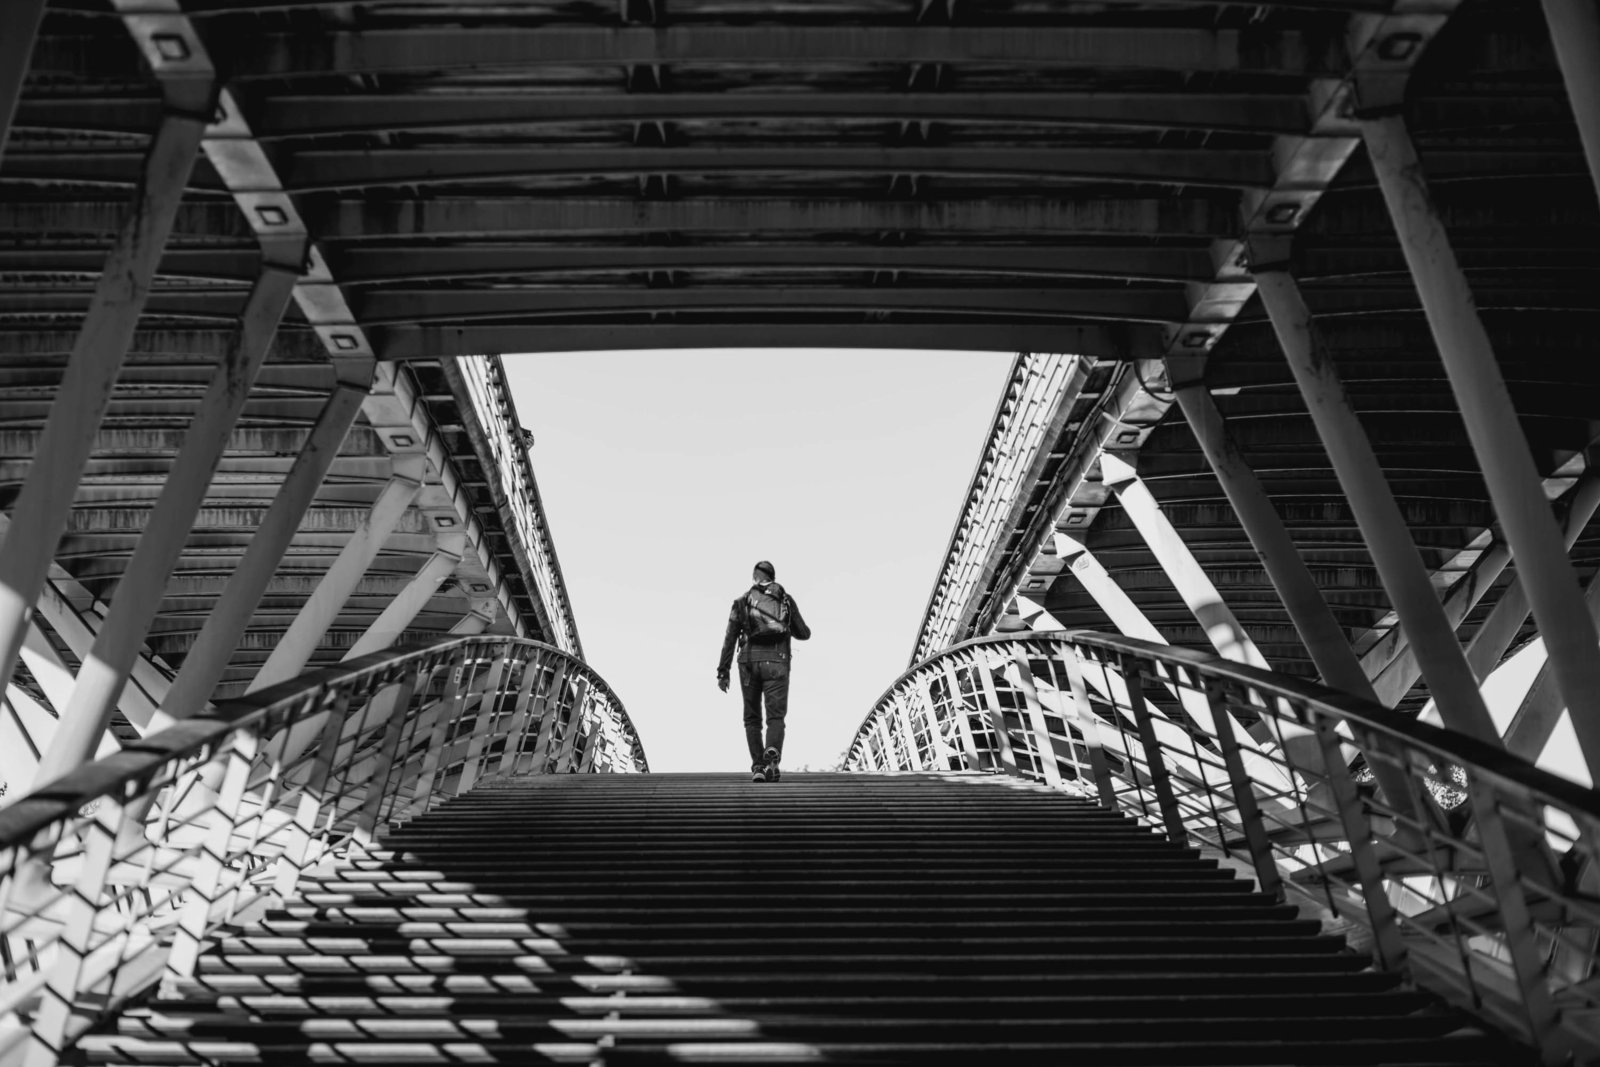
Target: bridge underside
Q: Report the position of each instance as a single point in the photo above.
(441, 180)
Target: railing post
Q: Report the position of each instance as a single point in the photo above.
(1244, 797)
(942, 751)
(531, 669)
(292, 862)
(958, 708)
(378, 781)
(77, 911)
(996, 715)
(902, 716)
(488, 714)
(1387, 946)
(574, 726)
(435, 722)
(201, 895)
(1044, 745)
(550, 702)
(1103, 784)
(1527, 956)
(1156, 766)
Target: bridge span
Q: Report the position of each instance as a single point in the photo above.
(1279, 550)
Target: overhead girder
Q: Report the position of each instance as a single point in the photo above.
(338, 115)
(447, 48)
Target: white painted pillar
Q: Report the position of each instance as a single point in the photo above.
(1493, 427)
(208, 657)
(1575, 33)
(137, 599)
(1199, 595)
(295, 648)
(409, 602)
(42, 507)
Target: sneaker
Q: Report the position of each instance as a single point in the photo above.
(758, 772)
(772, 772)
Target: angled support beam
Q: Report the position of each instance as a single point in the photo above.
(80, 631)
(1198, 592)
(1297, 590)
(409, 602)
(19, 26)
(1492, 426)
(1575, 33)
(208, 658)
(40, 513)
(1488, 646)
(104, 673)
(478, 618)
(1395, 679)
(295, 648)
(47, 667)
(1400, 566)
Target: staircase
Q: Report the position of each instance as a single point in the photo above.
(838, 918)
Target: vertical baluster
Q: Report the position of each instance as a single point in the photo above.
(1244, 797)
(488, 716)
(295, 855)
(1043, 744)
(201, 893)
(378, 781)
(1387, 947)
(520, 717)
(1155, 765)
(1103, 784)
(995, 713)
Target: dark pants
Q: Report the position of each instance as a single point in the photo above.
(768, 678)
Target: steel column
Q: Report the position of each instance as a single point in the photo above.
(41, 510)
(1182, 569)
(1400, 567)
(1575, 33)
(1297, 590)
(19, 27)
(104, 672)
(208, 658)
(410, 601)
(295, 648)
(1492, 426)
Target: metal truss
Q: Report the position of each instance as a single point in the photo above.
(1482, 914)
(393, 735)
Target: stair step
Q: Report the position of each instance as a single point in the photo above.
(916, 919)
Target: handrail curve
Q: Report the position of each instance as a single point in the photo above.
(1480, 882)
(98, 898)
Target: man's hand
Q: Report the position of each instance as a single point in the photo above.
(722, 681)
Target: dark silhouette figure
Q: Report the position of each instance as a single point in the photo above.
(760, 624)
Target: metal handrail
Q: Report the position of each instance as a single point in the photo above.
(1480, 883)
(99, 900)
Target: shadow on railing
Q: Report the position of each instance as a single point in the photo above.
(117, 874)
(1452, 861)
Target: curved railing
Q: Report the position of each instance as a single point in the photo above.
(1455, 863)
(115, 875)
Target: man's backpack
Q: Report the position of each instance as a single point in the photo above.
(766, 613)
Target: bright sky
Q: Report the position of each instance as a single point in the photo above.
(667, 475)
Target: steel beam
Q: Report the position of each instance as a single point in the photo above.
(435, 342)
(295, 648)
(1297, 590)
(1173, 264)
(1575, 34)
(42, 507)
(508, 217)
(439, 48)
(1395, 679)
(137, 599)
(332, 170)
(1400, 566)
(408, 604)
(1496, 633)
(1491, 421)
(1114, 303)
(325, 116)
(480, 616)
(1199, 595)
(19, 26)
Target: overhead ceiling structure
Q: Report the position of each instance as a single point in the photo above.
(419, 182)
(1041, 521)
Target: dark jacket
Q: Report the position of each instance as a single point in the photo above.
(753, 650)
